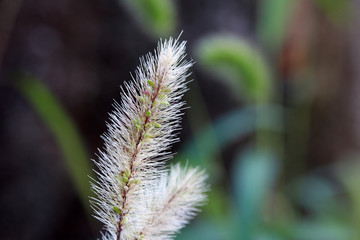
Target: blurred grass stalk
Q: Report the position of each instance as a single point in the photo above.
(156, 17)
(238, 64)
(254, 176)
(250, 78)
(273, 20)
(348, 174)
(64, 131)
(243, 68)
(339, 12)
(246, 73)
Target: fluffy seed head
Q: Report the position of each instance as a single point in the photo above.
(175, 202)
(140, 131)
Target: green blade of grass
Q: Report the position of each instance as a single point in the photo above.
(64, 131)
(207, 230)
(214, 137)
(321, 230)
(156, 17)
(273, 19)
(338, 11)
(254, 176)
(239, 63)
(347, 171)
(234, 125)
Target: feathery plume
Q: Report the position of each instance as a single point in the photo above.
(175, 201)
(137, 197)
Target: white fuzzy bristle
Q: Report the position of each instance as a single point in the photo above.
(136, 196)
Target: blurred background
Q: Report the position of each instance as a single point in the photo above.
(274, 117)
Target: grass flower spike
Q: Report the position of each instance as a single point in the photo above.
(137, 196)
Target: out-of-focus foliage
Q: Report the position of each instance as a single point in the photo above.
(239, 63)
(156, 17)
(273, 21)
(348, 174)
(254, 177)
(338, 11)
(311, 207)
(224, 131)
(64, 130)
(232, 126)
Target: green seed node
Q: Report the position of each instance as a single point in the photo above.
(117, 210)
(151, 83)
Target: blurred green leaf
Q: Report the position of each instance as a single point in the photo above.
(207, 230)
(279, 215)
(64, 131)
(217, 205)
(338, 11)
(267, 236)
(322, 230)
(226, 129)
(348, 174)
(213, 137)
(157, 17)
(273, 18)
(316, 194)
(237, 62)
(254, 176)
